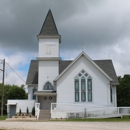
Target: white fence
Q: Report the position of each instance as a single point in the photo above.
(83, 111)
(124, 110)
(37, 110)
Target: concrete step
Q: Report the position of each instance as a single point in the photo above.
(44, 115)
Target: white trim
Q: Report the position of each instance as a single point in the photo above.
(83, 53)
(43, 94)
(48, 58)
(11, 103)
(32, 84)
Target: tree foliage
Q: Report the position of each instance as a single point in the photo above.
(123, 91)
(16, 93)
(12, 92)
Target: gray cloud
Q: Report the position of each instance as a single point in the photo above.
(95, 26)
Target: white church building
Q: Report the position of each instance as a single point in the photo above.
(65, 87)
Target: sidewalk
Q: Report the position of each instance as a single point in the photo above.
(64, 125)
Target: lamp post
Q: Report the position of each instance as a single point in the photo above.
(3, 87)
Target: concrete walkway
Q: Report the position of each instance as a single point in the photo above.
(64, 125)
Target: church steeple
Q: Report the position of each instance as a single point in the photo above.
(49, 29)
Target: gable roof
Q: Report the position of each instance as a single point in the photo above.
(83, 53)
(32, 77)
(49, 27)
(105, 65)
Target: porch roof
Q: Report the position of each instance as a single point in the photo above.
(48, 92)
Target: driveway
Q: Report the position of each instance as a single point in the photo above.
(64, 125)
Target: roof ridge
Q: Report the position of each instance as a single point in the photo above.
(103, 60)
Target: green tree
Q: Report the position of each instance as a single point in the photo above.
(123, 91)
(16, 92)
(7, 94)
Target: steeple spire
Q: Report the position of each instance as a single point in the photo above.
(49, 29)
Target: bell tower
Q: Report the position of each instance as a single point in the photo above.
(48, 55)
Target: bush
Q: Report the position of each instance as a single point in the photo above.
(27, 112)
(20, 112)
(33, 111)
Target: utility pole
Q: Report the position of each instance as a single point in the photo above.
(3, 87)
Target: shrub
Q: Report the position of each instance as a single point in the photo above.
(27, 111)
(20, 112)
(33, 111)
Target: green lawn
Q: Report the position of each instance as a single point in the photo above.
(124, 119)
(3, 118)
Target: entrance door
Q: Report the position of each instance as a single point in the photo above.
(12, 110)
(45, 101)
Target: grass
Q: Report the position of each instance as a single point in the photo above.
(124, 119)
(3, 117)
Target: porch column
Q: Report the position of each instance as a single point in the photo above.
(36, 99)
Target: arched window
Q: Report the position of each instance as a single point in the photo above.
(89, 89)
(111, 94)
(76, 89)
(48, 86)
(83, 87)
(34, 90)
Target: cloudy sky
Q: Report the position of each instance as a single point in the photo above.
(100, 27)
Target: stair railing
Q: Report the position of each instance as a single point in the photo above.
(37, 110)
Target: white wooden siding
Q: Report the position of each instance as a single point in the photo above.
(30, 91)
(53, 44)
(48, 71)
(23, 104)
(100, 84)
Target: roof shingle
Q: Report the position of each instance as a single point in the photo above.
(105, 65)
(49, 27)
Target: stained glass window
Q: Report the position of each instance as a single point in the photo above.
(79, 74)
(86, 74)
(89, 89)
(76, 96)
(83, 96)
(83, 87)
(48, 86)
(76, 89)
(89, 96)
(82, 71)
(111, 94)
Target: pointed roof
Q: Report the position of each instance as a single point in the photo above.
(83, 53)
(49, 28)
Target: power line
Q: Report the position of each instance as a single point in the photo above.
(16, 72)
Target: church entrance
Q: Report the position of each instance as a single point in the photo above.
(45, 101)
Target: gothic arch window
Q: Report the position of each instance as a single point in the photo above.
(83, 87)
(34, 90)
(89, 89)
(48, 86)
(76, 89)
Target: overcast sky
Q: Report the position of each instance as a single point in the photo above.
(100, 27)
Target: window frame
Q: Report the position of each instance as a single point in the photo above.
(85, 94)
(33, 91)
(89, 89)
(76, 81)
(83, 81)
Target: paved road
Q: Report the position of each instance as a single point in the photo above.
(65, 125)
